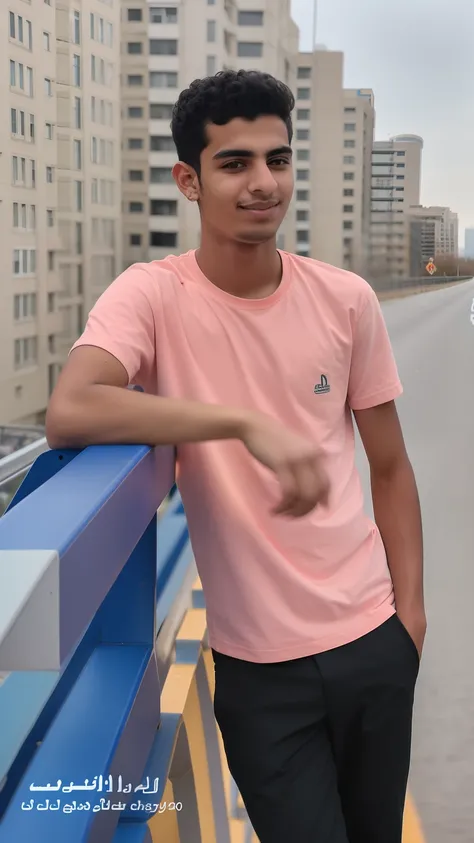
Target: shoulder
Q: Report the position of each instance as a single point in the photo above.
(149, 279)
(337, 288)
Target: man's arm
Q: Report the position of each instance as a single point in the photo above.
(91, 406)
(397, 511)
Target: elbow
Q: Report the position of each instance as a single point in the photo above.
(61, 425)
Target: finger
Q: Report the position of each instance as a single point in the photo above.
(312, 488)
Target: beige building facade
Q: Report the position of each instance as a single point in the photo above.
(163, 49)
(439, 231)
(396, 186)
(60, 176)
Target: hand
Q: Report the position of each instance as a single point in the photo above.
(295, 461)
(414, 621)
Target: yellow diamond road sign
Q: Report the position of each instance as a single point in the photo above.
(430, 266)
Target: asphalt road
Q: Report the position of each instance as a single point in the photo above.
(433, 341)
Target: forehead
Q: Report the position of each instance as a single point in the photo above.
(258, 136)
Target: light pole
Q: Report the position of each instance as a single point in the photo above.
(315, 22)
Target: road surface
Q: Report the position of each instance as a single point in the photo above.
(433, 341)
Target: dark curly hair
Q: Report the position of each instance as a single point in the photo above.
(219, 99)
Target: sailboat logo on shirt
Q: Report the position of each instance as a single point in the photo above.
(323, 386)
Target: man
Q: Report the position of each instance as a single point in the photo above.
(252, 360)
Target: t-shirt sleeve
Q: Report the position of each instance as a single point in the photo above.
(122, 322)
(373, 377)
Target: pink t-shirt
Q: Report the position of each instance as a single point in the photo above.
(275, 588)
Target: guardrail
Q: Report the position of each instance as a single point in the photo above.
(106, 710)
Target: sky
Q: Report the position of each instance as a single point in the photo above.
(418, 57)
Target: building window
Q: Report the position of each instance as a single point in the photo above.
(47, 41)
(211, 65)
(302, 134)
(211, 31)
(134, 79)
(163, 14)
(304, 73)
(348, 191)
(32, 127)
(348, 225)
(26, 352)
(162, 143)
(163, 47)
(76, 27)
(48, 87)
(24, 307)
(49, 175)
(349, 109)
(161, 111)
(302, 175)
(349, 159)
(303, 93)
(77, 113)
(49, 218)
(349, 144)
(136, 207)
(303, 114)
(168, 239)
(135, 175)
(12, 74)
(161, 175)
(135, 111)
(302, 216)
(134, 15)
(349, 127)
(135, 48)
(29, 76)
(135, 239)
(76, 71)
(302, 154)
(348, 209)
(302, 236)
(250, 19)
(78, 191)
(12, 25)
(163, 208)
(250, 49)
(135, 143)
(163, 79)
(78, 238)
(349, 176)
(302, 195)
(24, 261)
(77, 154)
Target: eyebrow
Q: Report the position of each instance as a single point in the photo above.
(247, 153)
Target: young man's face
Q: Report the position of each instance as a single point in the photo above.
(246, 180)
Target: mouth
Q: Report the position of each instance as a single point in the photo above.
(260, 208)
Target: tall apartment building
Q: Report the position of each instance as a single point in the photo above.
(359, 126)
(165, 47)
(439, 231)
(60, 178)
(396, 185)
(334, 137)
(319, 151)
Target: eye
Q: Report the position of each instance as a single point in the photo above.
(233, 165)
(278, 162)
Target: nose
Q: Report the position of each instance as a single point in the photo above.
(262, 180)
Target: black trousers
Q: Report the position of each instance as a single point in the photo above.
(319, 747)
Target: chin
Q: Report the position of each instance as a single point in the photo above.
(256, 236)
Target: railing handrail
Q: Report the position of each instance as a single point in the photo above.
(13, 464)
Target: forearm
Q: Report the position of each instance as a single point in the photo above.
(398, 517)
(113, 415)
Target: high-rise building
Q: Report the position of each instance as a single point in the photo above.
(165, 47)
(319, 152)
(439, 231)
(359, 125)
(469, 243)
(396, 184)
(60, 176)
(334, 137)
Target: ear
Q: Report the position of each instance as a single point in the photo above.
(187, 180)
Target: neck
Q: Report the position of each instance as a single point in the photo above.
(250, 271)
